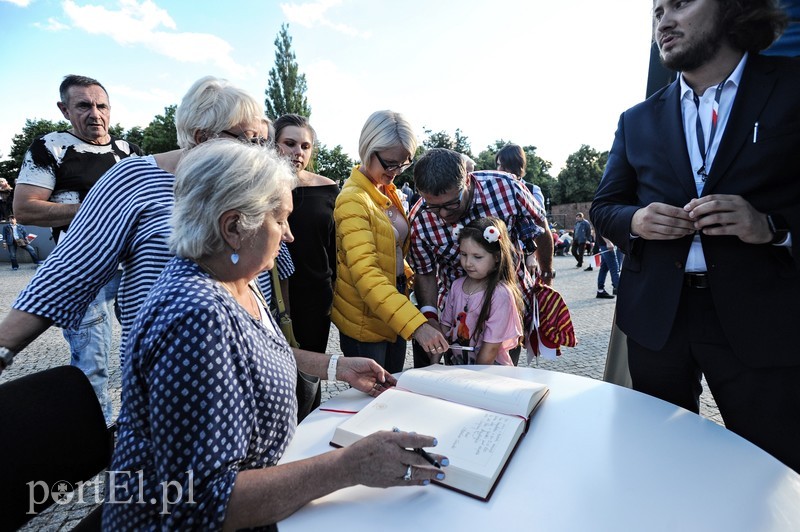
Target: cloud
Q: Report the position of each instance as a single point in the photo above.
(20, 3)
(52, 25)
(146, 24)
(312, 14)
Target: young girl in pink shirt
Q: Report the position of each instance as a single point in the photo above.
(483, 310)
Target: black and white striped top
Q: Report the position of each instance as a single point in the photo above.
(123, 221)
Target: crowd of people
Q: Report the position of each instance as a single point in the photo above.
(193, 240)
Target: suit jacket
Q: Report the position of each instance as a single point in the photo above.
(756, 288)
(8, 234)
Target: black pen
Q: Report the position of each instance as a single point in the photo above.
(423, 453)
(428, 458)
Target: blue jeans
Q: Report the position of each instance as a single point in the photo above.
(390, 355)
(90, 343)
(610, 261)
(12, 254)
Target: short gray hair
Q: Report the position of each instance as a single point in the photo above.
(218, 176)
(384, 130)
(211, 106)
(440, 170)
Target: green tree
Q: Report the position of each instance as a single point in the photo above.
(333, 164)
(21, 141)
(442, 139)
(286, 89)
(578, 180)
(160, 135)
(135, 135)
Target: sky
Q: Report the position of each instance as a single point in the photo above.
(552, 74)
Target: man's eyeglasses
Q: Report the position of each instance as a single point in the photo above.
(400, 168)
(261, 141)
(446, 206)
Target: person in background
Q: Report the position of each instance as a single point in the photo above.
(564, 243)
(580, 237)
(512, 159)
(57, 172)
(608, 253)
(204, 325)
(469, 164)
(451, 199)
(314, 247)
(283, 263)
(483, 309)
(6, 191)
(371, 307)
(15, 236)
(701, 193)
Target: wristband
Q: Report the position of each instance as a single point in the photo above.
(430, 312)
(332, 363)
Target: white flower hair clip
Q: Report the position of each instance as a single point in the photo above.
(491, 234)
(457, 230)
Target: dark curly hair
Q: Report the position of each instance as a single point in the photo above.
(752, 25)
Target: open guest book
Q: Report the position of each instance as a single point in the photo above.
(478, 419)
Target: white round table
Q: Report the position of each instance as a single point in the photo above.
(597, 457)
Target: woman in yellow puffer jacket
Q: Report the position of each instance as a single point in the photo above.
(371, 308)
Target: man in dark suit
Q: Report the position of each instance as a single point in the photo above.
(702, 193)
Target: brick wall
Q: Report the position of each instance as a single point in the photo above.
(563, 216)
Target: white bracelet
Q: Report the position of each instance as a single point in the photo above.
(332, 363)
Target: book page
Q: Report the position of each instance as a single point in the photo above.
(475, 388)
(477, 442)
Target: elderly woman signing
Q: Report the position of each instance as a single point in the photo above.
(209, 391)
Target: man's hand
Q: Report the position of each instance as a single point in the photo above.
(659, 221)
(726, 214)
(364, 374)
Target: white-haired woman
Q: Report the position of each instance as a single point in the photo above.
(370, 305)
(125, 220)
(209, 393)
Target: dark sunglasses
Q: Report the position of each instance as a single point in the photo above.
(392, 167)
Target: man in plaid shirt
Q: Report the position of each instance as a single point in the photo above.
(452, 198)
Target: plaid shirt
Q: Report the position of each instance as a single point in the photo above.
(435, 250)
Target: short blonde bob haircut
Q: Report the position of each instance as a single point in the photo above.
(384, 130)
(219, 176)
(211, 106)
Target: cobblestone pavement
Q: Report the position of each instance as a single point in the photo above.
(592, 319)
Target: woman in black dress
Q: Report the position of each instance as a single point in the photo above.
(314, 248)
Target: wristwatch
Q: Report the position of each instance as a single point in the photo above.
(332, 364)
(6, 356)
(779, 228)
(551, 274)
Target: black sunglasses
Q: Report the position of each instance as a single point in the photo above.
(392, 167)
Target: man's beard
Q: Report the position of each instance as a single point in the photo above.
(698, 53)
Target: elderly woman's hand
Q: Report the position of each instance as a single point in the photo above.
(431, 340)
(365, 374)
(387, 459)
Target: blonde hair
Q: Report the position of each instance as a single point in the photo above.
(211, 106)
(384, 130)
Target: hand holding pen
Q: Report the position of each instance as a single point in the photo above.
(425, 455)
